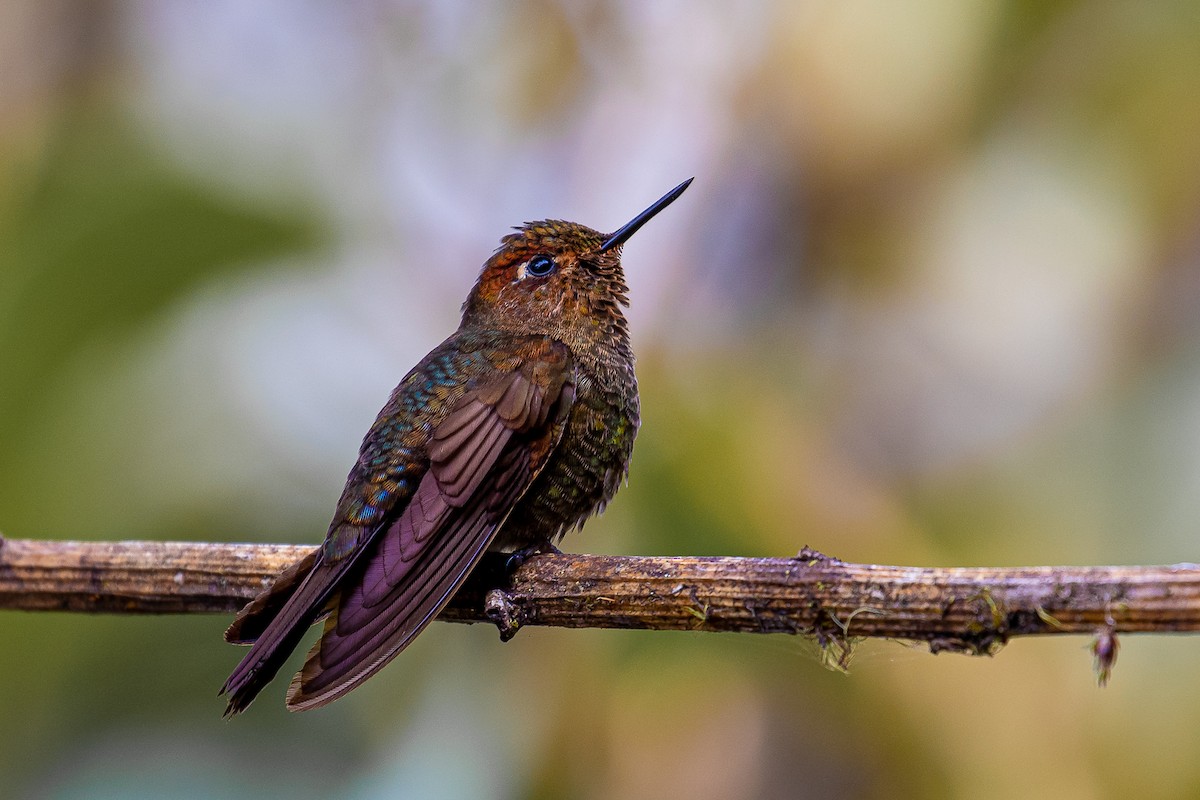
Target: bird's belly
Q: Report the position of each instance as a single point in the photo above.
(582, 474)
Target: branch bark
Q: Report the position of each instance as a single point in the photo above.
(973, 610)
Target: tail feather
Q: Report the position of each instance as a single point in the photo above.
(276, 622)
(252, 620)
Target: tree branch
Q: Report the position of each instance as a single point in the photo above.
(973, 610)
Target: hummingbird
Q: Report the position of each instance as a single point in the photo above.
(511, 432)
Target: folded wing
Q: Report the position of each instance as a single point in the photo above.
(382, 575)
(483, 456)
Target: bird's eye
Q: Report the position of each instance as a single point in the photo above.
(539, 266)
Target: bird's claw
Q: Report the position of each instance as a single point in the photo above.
(519, 557)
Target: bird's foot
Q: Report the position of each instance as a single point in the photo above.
(519, 557)
(498, 604)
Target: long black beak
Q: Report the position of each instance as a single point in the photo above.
(630, 228)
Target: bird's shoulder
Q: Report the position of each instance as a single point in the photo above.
(394, 455)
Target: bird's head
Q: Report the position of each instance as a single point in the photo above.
(560, 279)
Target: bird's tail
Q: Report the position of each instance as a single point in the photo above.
(252, 620)
(274, 622)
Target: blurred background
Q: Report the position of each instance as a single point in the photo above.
(934, 299)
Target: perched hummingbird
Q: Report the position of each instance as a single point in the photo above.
(517, 428)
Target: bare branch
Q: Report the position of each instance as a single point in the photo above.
(972, 610)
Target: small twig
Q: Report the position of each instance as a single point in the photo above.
(973, 610)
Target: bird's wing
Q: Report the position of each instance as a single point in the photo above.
(393, 558)
(482, 458)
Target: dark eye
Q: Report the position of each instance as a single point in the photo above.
(539, 266)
